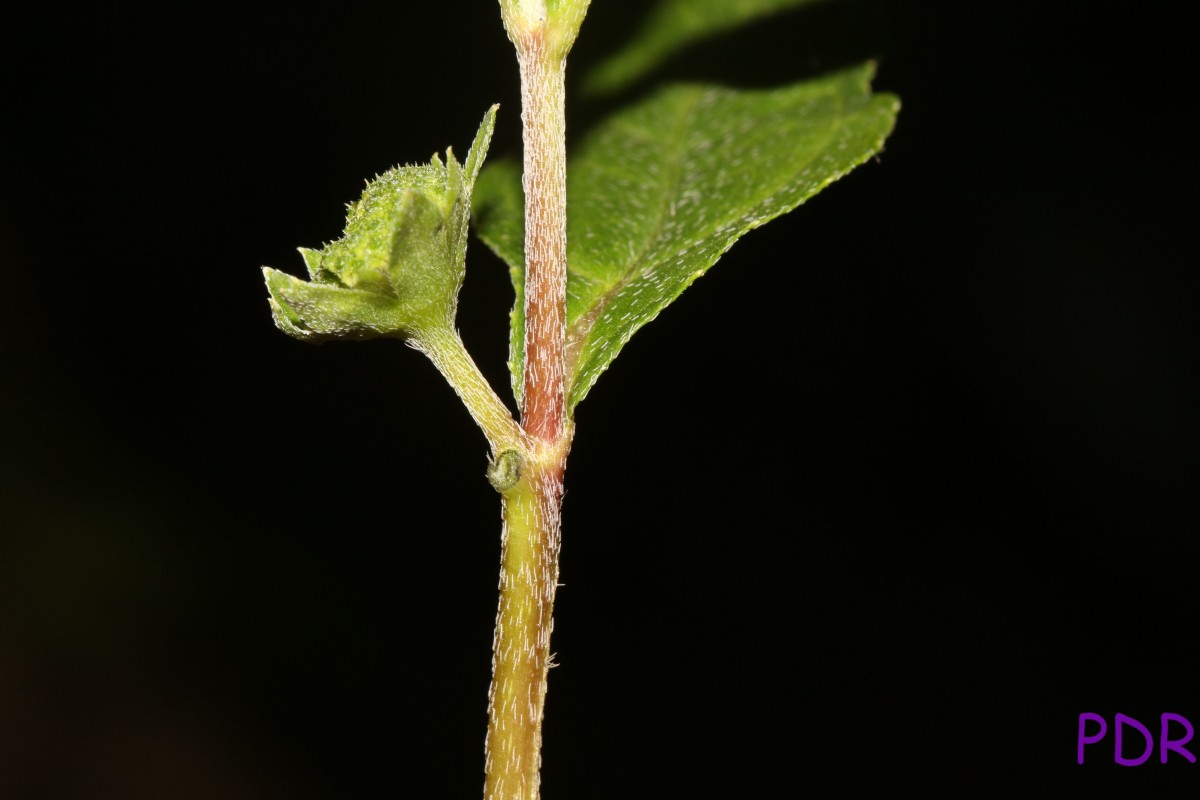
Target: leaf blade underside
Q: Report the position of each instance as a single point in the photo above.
(657, 193)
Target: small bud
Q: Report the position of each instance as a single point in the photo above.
(505, 472)
(552, 24)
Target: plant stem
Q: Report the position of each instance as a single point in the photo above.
(529, 562)
(543, 118)
(521, 655)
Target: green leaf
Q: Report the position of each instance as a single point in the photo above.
(660, 191)
(672, 26)
(398, 267)
(499, 207)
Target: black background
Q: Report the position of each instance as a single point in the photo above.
(899, 489)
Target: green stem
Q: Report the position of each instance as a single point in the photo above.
(542, 33)
(446, 350)
(521, 649)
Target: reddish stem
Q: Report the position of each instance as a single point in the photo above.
(543, 414)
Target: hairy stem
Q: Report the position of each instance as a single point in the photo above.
(447, 352)
(521, 654)
(543, 34)
(529, 564)
(544, 414)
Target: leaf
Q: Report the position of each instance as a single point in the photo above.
(398, 267)
(672, 26)
(660, 191)
(499, 208)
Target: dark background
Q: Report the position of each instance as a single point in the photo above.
(899, 489)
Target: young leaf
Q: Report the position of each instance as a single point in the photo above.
(660, 191)
(398, 267)
(672, 26)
